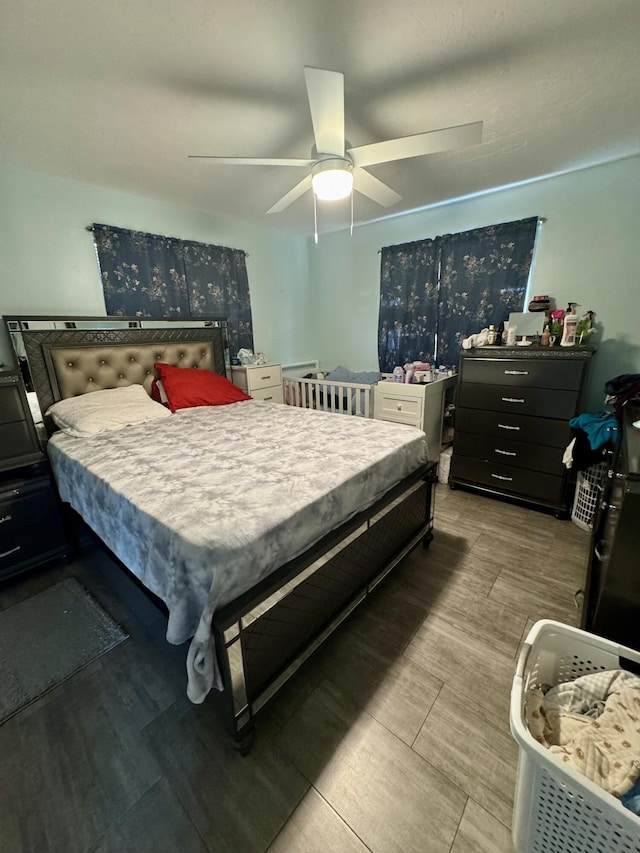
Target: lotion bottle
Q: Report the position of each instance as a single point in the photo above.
(569, 327)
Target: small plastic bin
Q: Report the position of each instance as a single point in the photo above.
(588, 492)
(556, 809)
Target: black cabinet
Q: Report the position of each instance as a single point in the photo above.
(512, 427)
(612, 594)
(31, 528)
(18, 439)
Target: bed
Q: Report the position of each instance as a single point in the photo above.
(260, 526)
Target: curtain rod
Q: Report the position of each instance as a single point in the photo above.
(91, 229)
(541, 220)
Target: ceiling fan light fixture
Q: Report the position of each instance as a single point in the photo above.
(332, 179)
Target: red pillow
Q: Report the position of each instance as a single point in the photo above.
(191, 386)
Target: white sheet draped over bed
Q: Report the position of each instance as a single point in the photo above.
(202, 505)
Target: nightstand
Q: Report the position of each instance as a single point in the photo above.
(419, 405)
(260, 381)
(31, 527)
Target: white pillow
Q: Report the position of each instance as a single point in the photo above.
(101, 411)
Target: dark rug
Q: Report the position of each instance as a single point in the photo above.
(46, 639)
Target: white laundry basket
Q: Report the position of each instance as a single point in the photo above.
(588, 492)
(556, 809)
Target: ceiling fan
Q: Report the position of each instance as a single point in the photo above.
(334, 169)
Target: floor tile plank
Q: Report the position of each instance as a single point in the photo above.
(314, 827)
(391, 798)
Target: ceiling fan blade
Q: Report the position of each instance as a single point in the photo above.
(365, 183)
(325, 90)
(254, 161)
(293, 194)
(446, 139)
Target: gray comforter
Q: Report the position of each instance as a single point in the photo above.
(204, 504)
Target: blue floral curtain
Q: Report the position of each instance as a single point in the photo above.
(155, 276)
(483, 277)
(408, 303)
(434, 293)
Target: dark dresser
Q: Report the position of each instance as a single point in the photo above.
(31, 528)
(611, 606)
(511, 425)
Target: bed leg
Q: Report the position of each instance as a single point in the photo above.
(428, 539)
(242, 742)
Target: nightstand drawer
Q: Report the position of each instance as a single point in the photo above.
(16, 440)
(10, 402)
(263, 377)
(253, 378)
(29, 546)
(272, 394)
(24, 508)
(405, 409)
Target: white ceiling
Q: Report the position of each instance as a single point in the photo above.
(118, 93)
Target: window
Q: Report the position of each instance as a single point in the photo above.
(155, 276)
(436, 292)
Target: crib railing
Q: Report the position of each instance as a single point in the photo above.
(346, 398)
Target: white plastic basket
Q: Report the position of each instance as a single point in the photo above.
(588, 491)
(556, 809)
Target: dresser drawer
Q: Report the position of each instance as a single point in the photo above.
(518, 482)
(527, 373)
(404, 409)
(542, 402)
(272, 394)
(546, 431)
(516, 453)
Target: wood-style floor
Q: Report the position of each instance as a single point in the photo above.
(393, 737)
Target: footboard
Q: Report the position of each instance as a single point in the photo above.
(350, 398)
(264, 637)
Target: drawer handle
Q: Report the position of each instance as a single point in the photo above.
(512, 400)
(500, 477)
(507, 426)
(6, 518)
(505, 452)
(268, 398)
(516, 372)
(399, 407)
(10, 551)
(266, 377)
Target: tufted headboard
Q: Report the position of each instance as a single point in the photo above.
(81, 369)
(67, 363)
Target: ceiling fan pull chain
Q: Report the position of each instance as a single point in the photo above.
(315, 218)
(351, 234)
